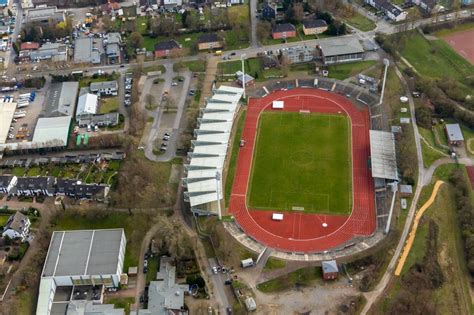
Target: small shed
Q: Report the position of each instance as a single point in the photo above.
(454, 134)
(132, 271)
(250, 304)
(406, 189)
(330, 270)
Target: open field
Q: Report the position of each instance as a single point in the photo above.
(360, 22)
(435, 58)
(302, 277)
(461, 42)
(302, 160)
(346, 70)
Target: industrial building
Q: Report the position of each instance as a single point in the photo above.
(454, 134)
(341, 49)
(86, 51)
(52, 131)
(87, 105)
(79, 266)
(203, 181)
(60, 99)
(7, 110)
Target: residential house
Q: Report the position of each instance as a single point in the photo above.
(112, 47)
(98, 192)
(17, 227)
(390, 10)
(166, 48)
(7, 183)
(29, 46)
(35, 186)
(209, 41)
(86, 105)
(330, 270)
(283, 31)
(426, 5)
(165, 296)
(454, 134)
(268, 12)
(172, 5)
(78, 190)
(104, 88)
(314, 26)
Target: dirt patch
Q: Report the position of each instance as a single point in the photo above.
(461, 42)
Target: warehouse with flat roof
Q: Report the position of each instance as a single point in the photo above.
(7, 110)
(60, 100)
(81, 258)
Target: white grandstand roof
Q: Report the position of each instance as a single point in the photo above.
(225, 116)
(383, 156)
(201, 192)
(217, 149)
(201, 173)
(216, 126)
(222, 137)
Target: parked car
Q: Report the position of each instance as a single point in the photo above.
(214, 270)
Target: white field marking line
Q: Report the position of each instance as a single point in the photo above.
(352, 157)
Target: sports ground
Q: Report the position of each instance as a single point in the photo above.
(302, 160)
(298, 162)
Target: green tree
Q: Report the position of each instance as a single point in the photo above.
(135, 40)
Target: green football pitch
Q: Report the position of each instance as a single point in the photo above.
(302, 161)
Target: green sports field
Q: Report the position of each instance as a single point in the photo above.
(302, 160)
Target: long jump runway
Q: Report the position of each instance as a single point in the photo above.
(299, 231)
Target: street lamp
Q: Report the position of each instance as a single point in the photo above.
(218, 178)
(242, 58)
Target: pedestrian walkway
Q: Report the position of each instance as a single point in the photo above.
(412, 235)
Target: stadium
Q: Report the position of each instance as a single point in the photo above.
(307, 180)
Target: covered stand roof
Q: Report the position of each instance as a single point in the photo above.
(383, 155)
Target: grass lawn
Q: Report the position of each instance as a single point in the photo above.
(302, 160)
(435, 58)
(253, 67)
(196, 65)
(360, 22)
(271, 41)
(274, 263)
(347, 70)
(457, 28)
(233, 157)
(301, 277)
(429, 155)
(134, 226)
(4, 219)
(123, 302)
(153, 265)
(109, 105)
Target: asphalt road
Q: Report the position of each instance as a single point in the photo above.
(253, 24)
(218, 286)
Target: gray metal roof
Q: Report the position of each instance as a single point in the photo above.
(85, 51)
(52, 129)
(96, 86)
(341, 46)
(83, 252)
(329, 266)
(60, 99)
(383, 155)
(454, 132)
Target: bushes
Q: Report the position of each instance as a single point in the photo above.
(423, 117)
(465, 212)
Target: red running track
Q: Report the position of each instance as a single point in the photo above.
(299, 231)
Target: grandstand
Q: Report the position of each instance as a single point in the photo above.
(208, 151)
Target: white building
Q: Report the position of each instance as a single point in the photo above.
(104, 88)
(86, 105)
(206, 160)
(17, 227)
(392, 11)
(81, 258)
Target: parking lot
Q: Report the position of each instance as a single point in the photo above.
(22, 128)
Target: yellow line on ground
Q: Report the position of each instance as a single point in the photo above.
(411, 236)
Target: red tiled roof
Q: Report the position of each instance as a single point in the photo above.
(29, 46)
